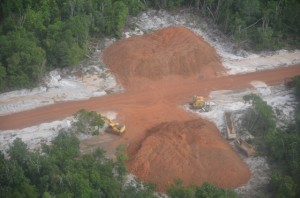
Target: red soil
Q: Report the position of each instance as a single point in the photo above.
(193, 150)
(170, 51)
(161, 71)
(189, 150)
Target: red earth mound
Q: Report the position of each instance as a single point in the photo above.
(188, 150)
(173, 50)
(163, 70)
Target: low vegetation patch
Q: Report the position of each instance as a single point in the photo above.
(281, 146)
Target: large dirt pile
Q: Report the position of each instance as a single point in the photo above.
(191, 151)
(172, 50)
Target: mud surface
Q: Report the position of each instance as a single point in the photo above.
(161, 71)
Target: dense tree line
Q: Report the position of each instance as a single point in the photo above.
(60, 171)
(36, 36)
(281, 146)
(259, 24)
(262, 24)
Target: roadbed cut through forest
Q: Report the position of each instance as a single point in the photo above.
(161, 156)
(161, 71)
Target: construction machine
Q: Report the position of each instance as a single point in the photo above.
(114, 126)
(199, 103)
(231, 132)
(244, 146)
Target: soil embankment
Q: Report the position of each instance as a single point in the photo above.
(170, 51)
(189, 150)
(160, 71)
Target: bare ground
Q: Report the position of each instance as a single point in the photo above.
(161, 71)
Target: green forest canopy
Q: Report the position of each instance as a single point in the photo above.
(37, 36)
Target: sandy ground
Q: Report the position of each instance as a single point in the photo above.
(281, 99)
(93, 79)
(152, 99)
(90, 79)
(158, 77)
(234, 59)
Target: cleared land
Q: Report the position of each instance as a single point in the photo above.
(160, 71)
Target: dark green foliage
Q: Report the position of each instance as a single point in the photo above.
(259, 24)
(21, 58)
(296, 82)
(36, 36)
(177, 190)
(60, 171)
(262, 24)
(283, 185)
(2, 78)
(13, 182)
(88, 122)
(206, 190)
(18, 152)
(66, 42)
(160, 4)
(134, 6)
(120, 12)
(262, 120)
(56, 32)
(282, 147)
(121, 160)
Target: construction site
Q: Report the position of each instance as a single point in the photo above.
(169, 134)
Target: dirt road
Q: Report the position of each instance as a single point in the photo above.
(170, 92)
(164, 141)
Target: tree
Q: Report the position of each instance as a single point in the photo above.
(2, 78)
(177, 190)
(296, 82)
(21, 58)
(280, 146)
(134, 6)
(36, 36)
(209, 190)
(283, 186)
(87, 122)
(120, 12)
(79, 27)
(18, 152)
(65, 146)
(263, 116)
(13, 182)
(120, 163)
(204, 191)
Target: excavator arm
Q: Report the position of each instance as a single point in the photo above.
(114, 126)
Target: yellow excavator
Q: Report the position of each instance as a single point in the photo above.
(199, 103)
(114, 126)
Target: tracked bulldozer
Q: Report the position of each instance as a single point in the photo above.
(245, 147)
(114, 127)
(199, 103)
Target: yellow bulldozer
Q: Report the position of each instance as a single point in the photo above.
(199, 103)
(114, 127)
